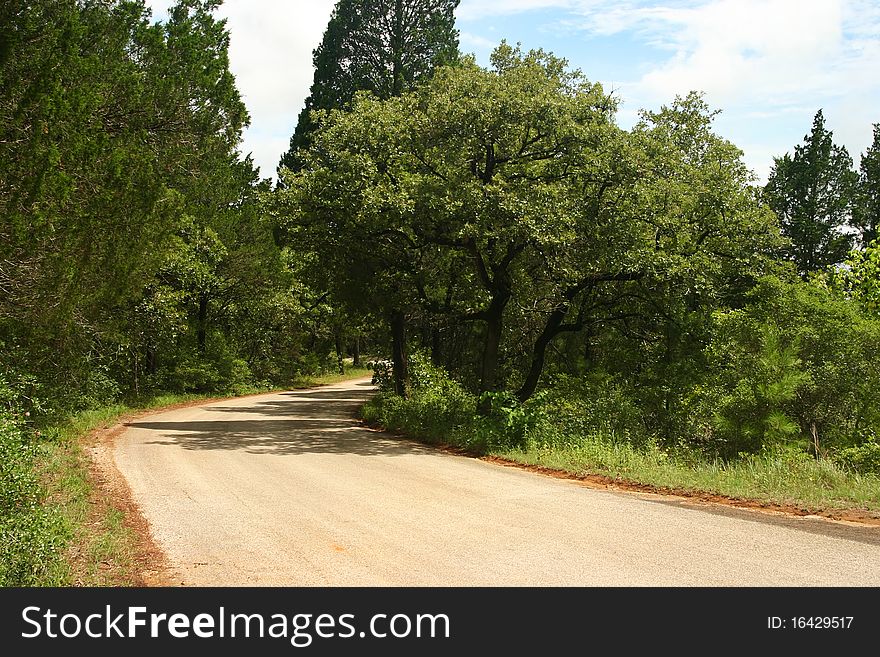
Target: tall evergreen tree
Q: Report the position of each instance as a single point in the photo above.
(812, 193)
(382, 46)
(867, 212)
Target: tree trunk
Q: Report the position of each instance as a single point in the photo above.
(202, 322)
(356, 352)
(494, 327)
(151, 361)
(340, 363)
(588, 347)
(400, 366)
(539, 353)
(135, 371)
(436, 354)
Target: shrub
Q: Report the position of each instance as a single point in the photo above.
(759, 377)
(863, 458)
(574, 409)
(383, 374)
(192, 374)
(31, 536)
(797, 363)
(438, 409)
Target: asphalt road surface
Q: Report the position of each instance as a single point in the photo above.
(288, 490)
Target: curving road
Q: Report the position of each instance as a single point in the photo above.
(288, 490)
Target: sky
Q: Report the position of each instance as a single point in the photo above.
(767, 65)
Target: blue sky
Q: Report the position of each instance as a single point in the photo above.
(768, 65)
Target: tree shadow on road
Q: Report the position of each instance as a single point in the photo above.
(281, 437)
(340, 409)
(296, 422)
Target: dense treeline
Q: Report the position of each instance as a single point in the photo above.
(532, 273)
(133, 252)
(637, 285)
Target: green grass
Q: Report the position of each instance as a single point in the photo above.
(325, 379)
(788, 477)
(785, 478)
(101, 549)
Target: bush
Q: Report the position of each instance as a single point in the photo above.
(758, 377)
(31, 536)
(574, 409)
(383, 374)
(863, 458)
(505, 423)
(100, 390)
(192, 374)
(31, 544)
(438, 409)
(796, 362)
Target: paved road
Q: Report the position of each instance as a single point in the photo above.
(287, 490)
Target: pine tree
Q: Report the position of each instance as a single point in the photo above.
(867, 213)
(382, 46)
(812, 193)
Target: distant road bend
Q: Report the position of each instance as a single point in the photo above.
(288, 490)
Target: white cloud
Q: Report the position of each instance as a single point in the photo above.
(770, 50)
(769, 64)
(159, 7)
(469, 42)
(270, 53)
(476, 9)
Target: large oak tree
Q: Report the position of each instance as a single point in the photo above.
(507, 198)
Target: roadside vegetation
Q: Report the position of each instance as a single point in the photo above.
(582, 435)
(536, 281)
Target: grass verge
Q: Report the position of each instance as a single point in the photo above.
(787, 479)
(792, 481)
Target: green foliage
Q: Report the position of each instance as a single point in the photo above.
(439, 415)
(381, 46)
(503, 422)
(760, 376)
(866, 216)
(534, 222)
(132, 241)
(813, 192)
(32, 536)
(863, 458)
(860, 278)
(571, 412)
(438, 408)
(383, 376)
(798, 362)
(598, 406)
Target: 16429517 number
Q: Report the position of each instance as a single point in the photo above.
(821, 622)
(810, 622)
